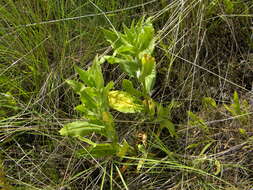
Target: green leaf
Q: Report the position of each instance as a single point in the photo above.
(86, 140)
(170, 126)
(209, 102)
(85, 77)
(150, 81)
(113, 60)
(113, 37)
(128, 86)
(81, 128)
(126, 49)
(242, 131)
(150, 107)
(218, 166)
(109, 86)
(90, 98)
(147, 65)
(87, 113)
(77, 86)
(123, 149)
(197, 121)
(96, 73)
(124, 102)
(238, 109)
(110, 126)
(205, 148)
(131, 68)
(126, 62)
(130, 33)
(102, 150)
(81, 108)
(148, 72)
(146, 36)
(162, 112)
(194, 145)
(236, 105)
(229, 109)
(105, 103)
(93, 77)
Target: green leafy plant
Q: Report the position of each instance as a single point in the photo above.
(133, 52)
(95, 109)
(238, 109)
(195, 120)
